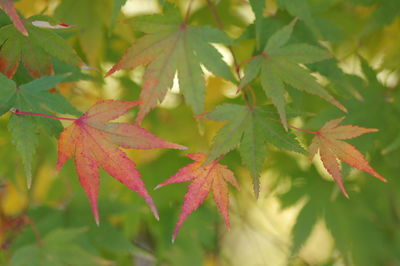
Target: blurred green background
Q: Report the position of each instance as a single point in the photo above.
(300, 217)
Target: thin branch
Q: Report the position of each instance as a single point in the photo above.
(238, 66)
(220, 24)
(296, 128)
(35, 230)
(215, 14)
(253, 95)
(303, 130)
(188, 10)
(17, 112)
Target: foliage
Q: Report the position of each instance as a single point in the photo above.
(261, 79)
(212, 176)
(95, 143)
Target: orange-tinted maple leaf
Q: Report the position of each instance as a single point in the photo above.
(170, 46)
(94, 143)
(9, 8)
(328, 140)
(205, 177)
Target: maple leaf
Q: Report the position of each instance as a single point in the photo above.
(92, 17)
(279, 64)
(258, 10)
(171, 46)
(328, 140)
(9, 8)
(58, 247)
(32, 97)
(212, 176)
(252, 129)
(94, 142)
(316, 194)
(35, 51)
(300, 9)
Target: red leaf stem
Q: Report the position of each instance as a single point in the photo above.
(18, 112)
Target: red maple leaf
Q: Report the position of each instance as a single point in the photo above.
(94, 142)
(204, 178)
(328, 140)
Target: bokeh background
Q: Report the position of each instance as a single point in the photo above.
(300, 217)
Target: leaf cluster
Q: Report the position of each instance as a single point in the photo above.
(249, 99)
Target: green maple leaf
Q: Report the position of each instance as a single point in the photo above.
(32, 97)
(258, 7)
(278, 64)
(35, 51)
(251, 129)
(300, 9)
(116, 8)
(92, 17)
(59, 247)
(171, 46)
(318, 192)
(347, 229)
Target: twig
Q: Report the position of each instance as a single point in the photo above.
(238, 66)
(215, 14)
(17, 112)
(296, 128)
(220, 24)
(188, 10)
(35, 230)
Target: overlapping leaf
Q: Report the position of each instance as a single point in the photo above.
(116, 8)
(59, 247)
(171, 46)
(278, 64)
(35, 51)
(94, 142)
(356, 235)
(32, 97)
(204, 177)
(301, 9)
(9, 8)
(258, 7)
(92, 18)
(328, 140)
(251, 129)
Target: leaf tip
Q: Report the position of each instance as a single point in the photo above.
(256, 188)
(29, 182)
(58, 168)
(96, 215)
(285, 126)
(341, 107)
(343, 190)
(380, 177)
(153, 208)
(111, 71)
(28, 174)
(176, 146)
(175, 234)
